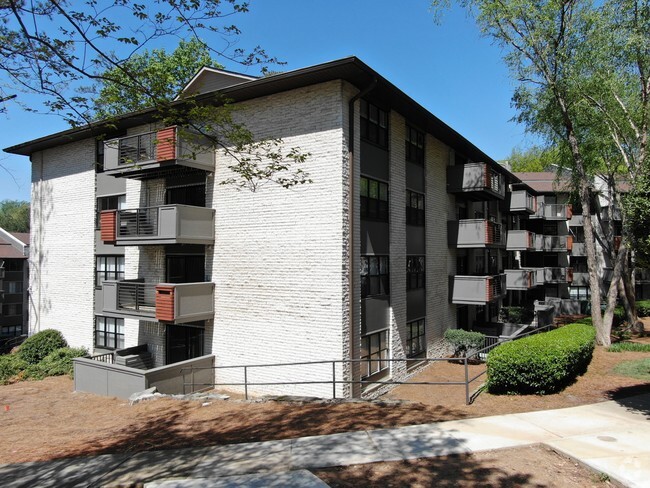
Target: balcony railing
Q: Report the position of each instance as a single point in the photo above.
(167, 224)
(578, 249)
(558, 275)
(137, 154)
(642, 275)
(521, 279)
(477, 290)
(553, 243)
(553, 211)
(580, 278)
(477, 178)
(165, 302)
(522, 201)
(521, 240)
(475, 233)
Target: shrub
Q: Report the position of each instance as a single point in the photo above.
(463, 341)
(35, 348)
(57, 363)
(515, 315)
(629, 346)
(643, 308)
(11, 365)
(541, 364)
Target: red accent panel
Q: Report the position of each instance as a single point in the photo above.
(107, 224)
(166, 148)
(569, 243)
(569, 211)
(165, 303)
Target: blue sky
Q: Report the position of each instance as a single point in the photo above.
(448, 68)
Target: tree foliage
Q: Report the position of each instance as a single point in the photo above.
(14, 215)
(535, 159)
(164, 76)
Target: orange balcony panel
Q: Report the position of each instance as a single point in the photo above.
(165, 303)
(617, 242)
(107, 225)
(166, 149)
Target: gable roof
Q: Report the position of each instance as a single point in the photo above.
(209, 79)
(13, 245)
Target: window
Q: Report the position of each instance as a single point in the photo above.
(108, 268)
(13, 265)
(579, 292)
(415, 339)
(415, 274)
(414, 208)
(374, 124)
(113, 202)
(414, 145)
(374, 350)
(99, 156)
(11, 330)
(109, 332)
(374, 199)
(14, 287)
(374, 276)
(13, 309)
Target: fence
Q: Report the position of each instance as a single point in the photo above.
(477, 356)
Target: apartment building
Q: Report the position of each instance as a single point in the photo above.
(14, 253)
(402, 234)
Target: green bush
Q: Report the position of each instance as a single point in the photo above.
(629, 346)
(57, 363)
(464, 341)
(541, 364)
(35, 348)
(11, 365)
(643, 308)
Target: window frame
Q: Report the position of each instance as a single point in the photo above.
(377, 283)
(415, 215)
(416, 275)
(420, 337)
(414, 145)
(118, 337)
(109, 275)
(373, 207)
(375, 358)
(373, 131)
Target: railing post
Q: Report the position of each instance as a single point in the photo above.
(192, 391)
(246, 382)
(333, 379)
(466, 382)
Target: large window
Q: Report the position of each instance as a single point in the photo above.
(374, 124)
(108, 268)
(109, 333)
(414, 208)
(415, 274)
(374, 351)
(415, 339)
(579, 292)
(14, 287)
(374, 276)
(374, 199)
(113, 202)
(13, 309)
(414, 145)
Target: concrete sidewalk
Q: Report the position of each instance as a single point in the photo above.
(611, 437)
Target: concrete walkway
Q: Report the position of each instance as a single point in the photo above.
(611, 437)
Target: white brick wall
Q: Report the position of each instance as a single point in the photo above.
(62, 258)
(278, 257)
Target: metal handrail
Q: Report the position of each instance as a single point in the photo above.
(136, 149)
(475, 356)
(137, 222)
(136, 295)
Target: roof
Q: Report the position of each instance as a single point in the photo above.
(544, 182)
(22, 237)
(350, 69)
(13, 245)
(7, 251)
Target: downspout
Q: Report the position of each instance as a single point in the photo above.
(351, 207)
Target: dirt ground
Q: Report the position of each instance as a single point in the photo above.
(43, 420)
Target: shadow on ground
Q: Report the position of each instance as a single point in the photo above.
(635, 398)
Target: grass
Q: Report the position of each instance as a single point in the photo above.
(629, 346)
(639, 369)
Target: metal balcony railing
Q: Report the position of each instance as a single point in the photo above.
(138, 222)
(521, 240)
(136, 149)
(553, 211)
(554, 243)
(136, 296)
(558, 275)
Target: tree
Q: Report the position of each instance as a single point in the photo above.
(569, 59)
(55, 48)
(14, 216)
(164, 76)
(534, 159)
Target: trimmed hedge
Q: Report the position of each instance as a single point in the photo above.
(57, 363)
(541, 364)
(36, 347)
(463, 341)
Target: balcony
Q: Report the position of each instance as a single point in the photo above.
(577, 221)
(558, 275)
(521, 240)
(474, 233)
(642, 275)
(553, 243)
(477, 290)
(165, 302)
(148, 155)
(578, 249)
(580, 278)
(476, 180)
(522, 201)
(609, 213)
(167, 224)
(521, 279)
(553, 211)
